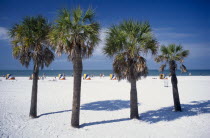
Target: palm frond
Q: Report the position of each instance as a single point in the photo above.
(89, 15)
(164, 50)
(73, 29)
(29, 39)
(171, 49)
(183, 68)
(77, 15)
(126, 42)
(178, 48)
(162, 68)
(114, 41)
(160, 58)
(184, 53)
(120, 66)
(172, 53)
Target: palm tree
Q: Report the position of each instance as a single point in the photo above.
(172, 54)
(127, 43)
(75, 34)
(29, 44)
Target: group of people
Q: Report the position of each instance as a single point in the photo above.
(88, 77)
(101, 75)
(43, 77)
(61, 77)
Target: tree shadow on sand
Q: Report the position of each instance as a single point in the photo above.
(108, 105)
(104, 122)
(51, 113)
(166, 113)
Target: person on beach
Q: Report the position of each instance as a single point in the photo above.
(55, 79)
(43, 76)
(30, 77)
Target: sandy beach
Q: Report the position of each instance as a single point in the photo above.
(105, 108)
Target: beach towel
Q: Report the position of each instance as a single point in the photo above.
(112, 77)
(10, 77)
(61, 77)
(86, 77)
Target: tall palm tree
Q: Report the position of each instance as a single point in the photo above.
(75, 34)
(127, 43)
(29, 44)
(172, 54)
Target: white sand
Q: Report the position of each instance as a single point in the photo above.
(105, 109)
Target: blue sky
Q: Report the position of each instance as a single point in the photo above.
(185, 22)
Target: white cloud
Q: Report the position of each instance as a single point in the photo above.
(99, 49)
(3, 33)
(167, 34)
(170, 33)
(196, 49)
(163, 29)
(197, 45)
(174, 35)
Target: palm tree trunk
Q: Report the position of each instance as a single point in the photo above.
(33, 108)
(133, 100)
(77, 66)
(174, 82)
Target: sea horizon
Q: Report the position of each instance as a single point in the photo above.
(97, 72)
(89, 69)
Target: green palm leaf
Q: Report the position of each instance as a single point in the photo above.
(172, 53)
(73, 29)
(29, 41)
(126, 42)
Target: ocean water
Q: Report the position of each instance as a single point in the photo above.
(27, 73)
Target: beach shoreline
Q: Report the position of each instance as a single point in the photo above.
(69, 73)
